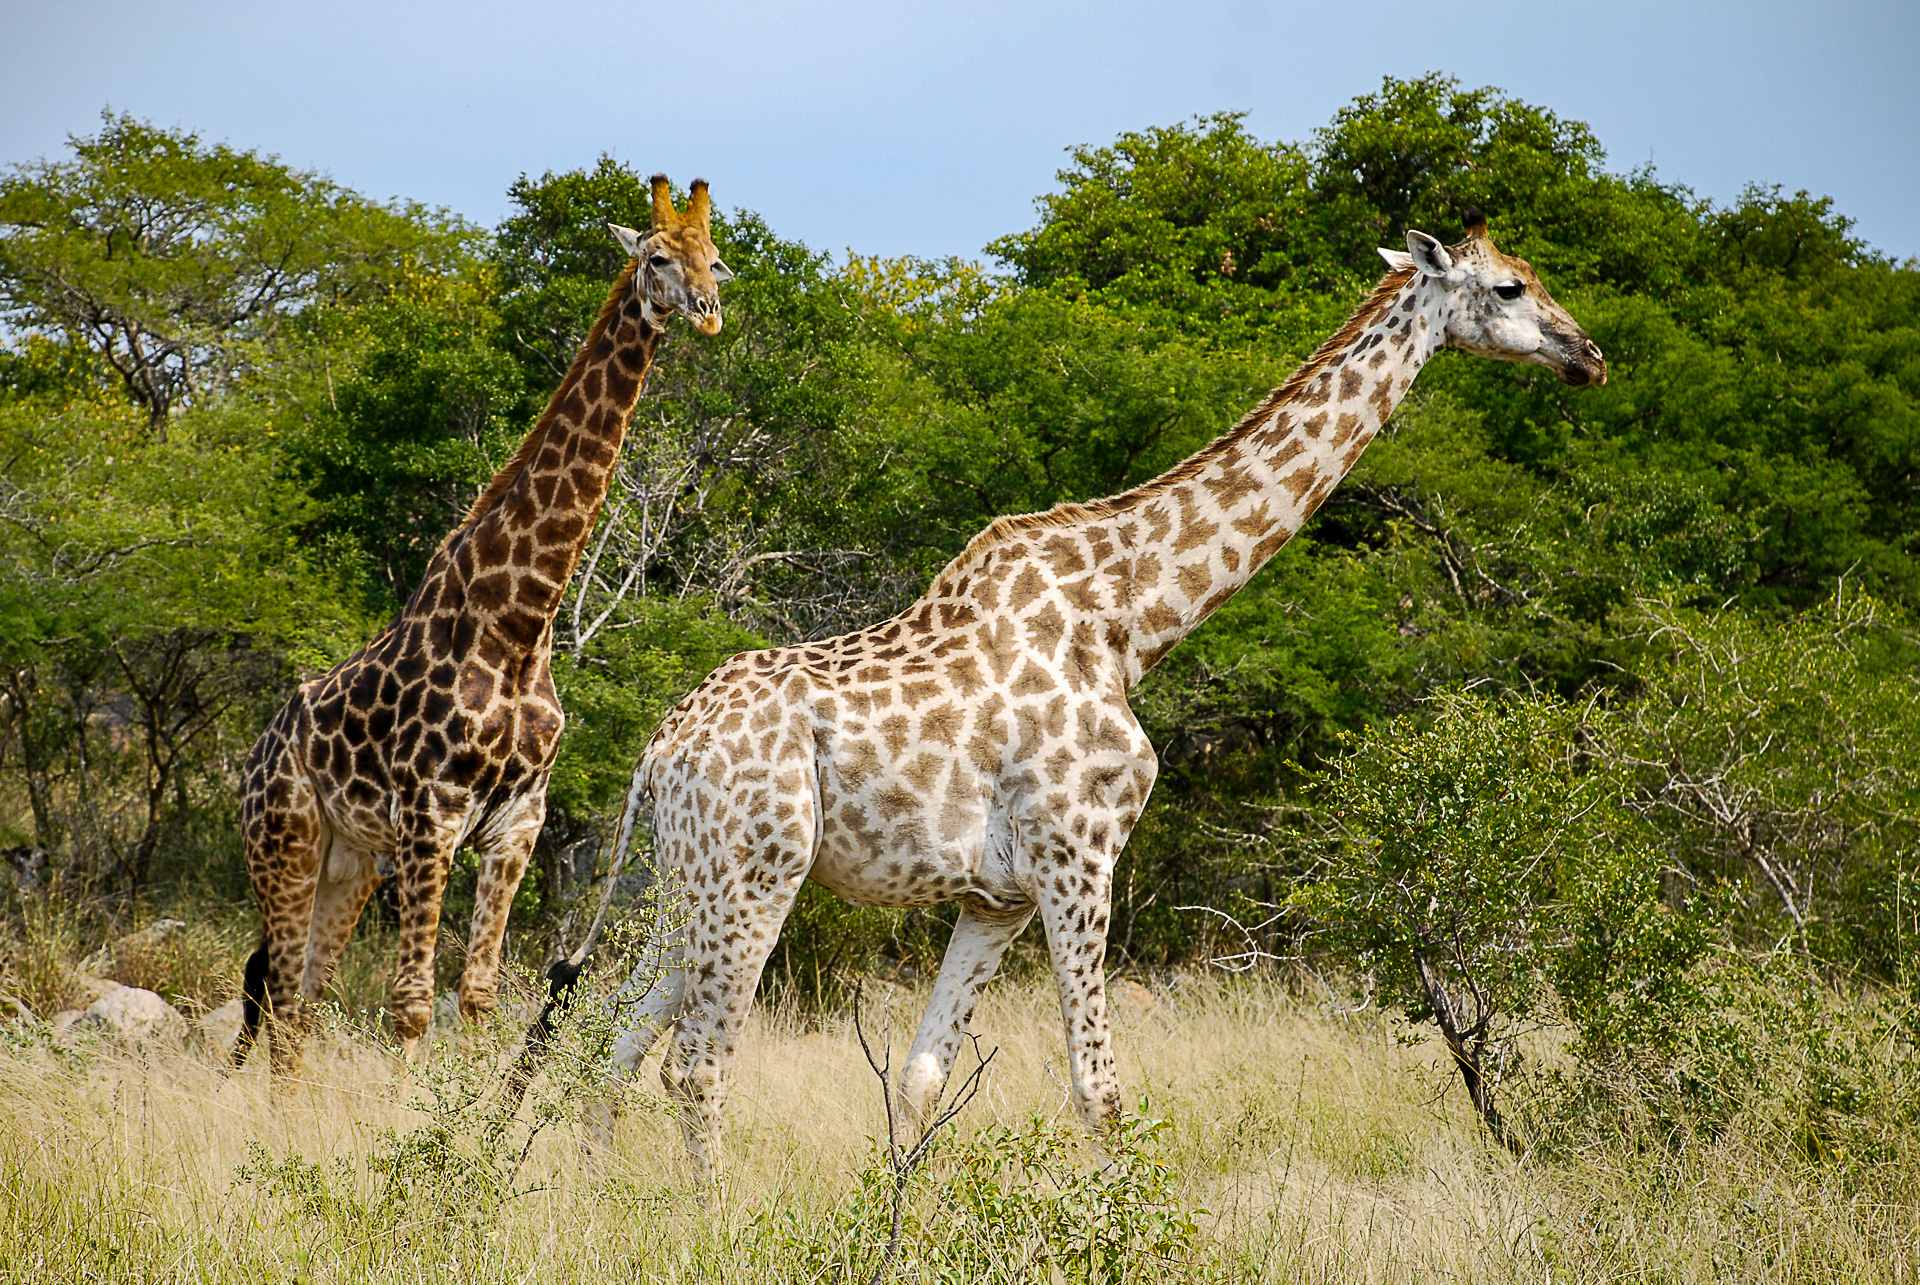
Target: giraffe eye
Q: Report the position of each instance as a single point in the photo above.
(1512, 290)
(659, 260)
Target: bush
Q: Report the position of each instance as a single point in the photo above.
(1440, 886)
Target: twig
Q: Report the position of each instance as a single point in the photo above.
(903, 1165)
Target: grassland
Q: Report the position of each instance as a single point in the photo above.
(1305, 1145)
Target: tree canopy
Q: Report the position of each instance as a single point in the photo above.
(239, 405)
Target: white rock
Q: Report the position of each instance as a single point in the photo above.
(1131, 997)
(132, 1014)
(90, 987)
(220, 1027)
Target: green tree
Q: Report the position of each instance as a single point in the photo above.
(184, 266)
(419, 406)
(1442, 886)
(150, 592)
(1777, 758)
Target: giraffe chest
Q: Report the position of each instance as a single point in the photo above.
(392, 737)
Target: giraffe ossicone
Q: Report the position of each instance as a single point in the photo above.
(979, 746)
(442, 730)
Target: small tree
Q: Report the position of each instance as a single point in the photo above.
(1441, 887)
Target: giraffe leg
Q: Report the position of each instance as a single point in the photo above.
(503, 863)
(425, 853)
(1073, 909)
(347, 879)
(287, 916)
(723, 973)
(734, 917)
(647, 1005)
(285, 835)
(650, 1000)
(980, 941)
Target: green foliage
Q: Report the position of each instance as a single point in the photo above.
(1014, 1205)
(1665, 877)
(184, 266)
(1024, 1198)
(1005, 402)
(1452, 835)
(421, 412)
(1629, 972)
(1486, 878)
(149, 589)
(1779, 759)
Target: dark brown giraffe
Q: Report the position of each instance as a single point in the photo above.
(442, 730)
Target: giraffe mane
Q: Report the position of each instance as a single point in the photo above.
(536, 438)
(1012, 526)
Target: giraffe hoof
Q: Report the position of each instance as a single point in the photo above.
(477, 1001)
(920, 1086)
(410, 1022)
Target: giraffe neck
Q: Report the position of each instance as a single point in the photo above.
(525, 534)
(1214, 520)
(1191, 538)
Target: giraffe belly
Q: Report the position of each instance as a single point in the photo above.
(899, 862)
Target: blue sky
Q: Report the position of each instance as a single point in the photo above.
(909, 128)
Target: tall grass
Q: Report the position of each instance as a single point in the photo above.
(1306, 1146)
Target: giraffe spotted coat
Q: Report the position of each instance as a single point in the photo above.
(979, 746)
(442, 730)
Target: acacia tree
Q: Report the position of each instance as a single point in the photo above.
(182, 264)
(1779, 758)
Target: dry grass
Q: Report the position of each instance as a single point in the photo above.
(1310, 1140)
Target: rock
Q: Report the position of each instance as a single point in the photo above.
(219, 1028)
(15, 1012)
(91, 988)
(102, 961)
(1133, 998)
(134, 1015)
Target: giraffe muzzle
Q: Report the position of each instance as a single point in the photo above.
(1589, 369)
(704, 314)
(1580, 364)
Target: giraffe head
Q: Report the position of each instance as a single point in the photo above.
(1496, 306)
(676, 268)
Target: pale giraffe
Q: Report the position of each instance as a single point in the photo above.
(442, 730)
(979, 746)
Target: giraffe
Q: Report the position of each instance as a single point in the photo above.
(442, 730)
(979, 746)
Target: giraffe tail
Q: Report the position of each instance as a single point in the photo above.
(253, 1003)
(563, 973)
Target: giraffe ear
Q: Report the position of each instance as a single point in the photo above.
(1396, 259)
(721, 272)
(630, 241)
(1428, 255)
